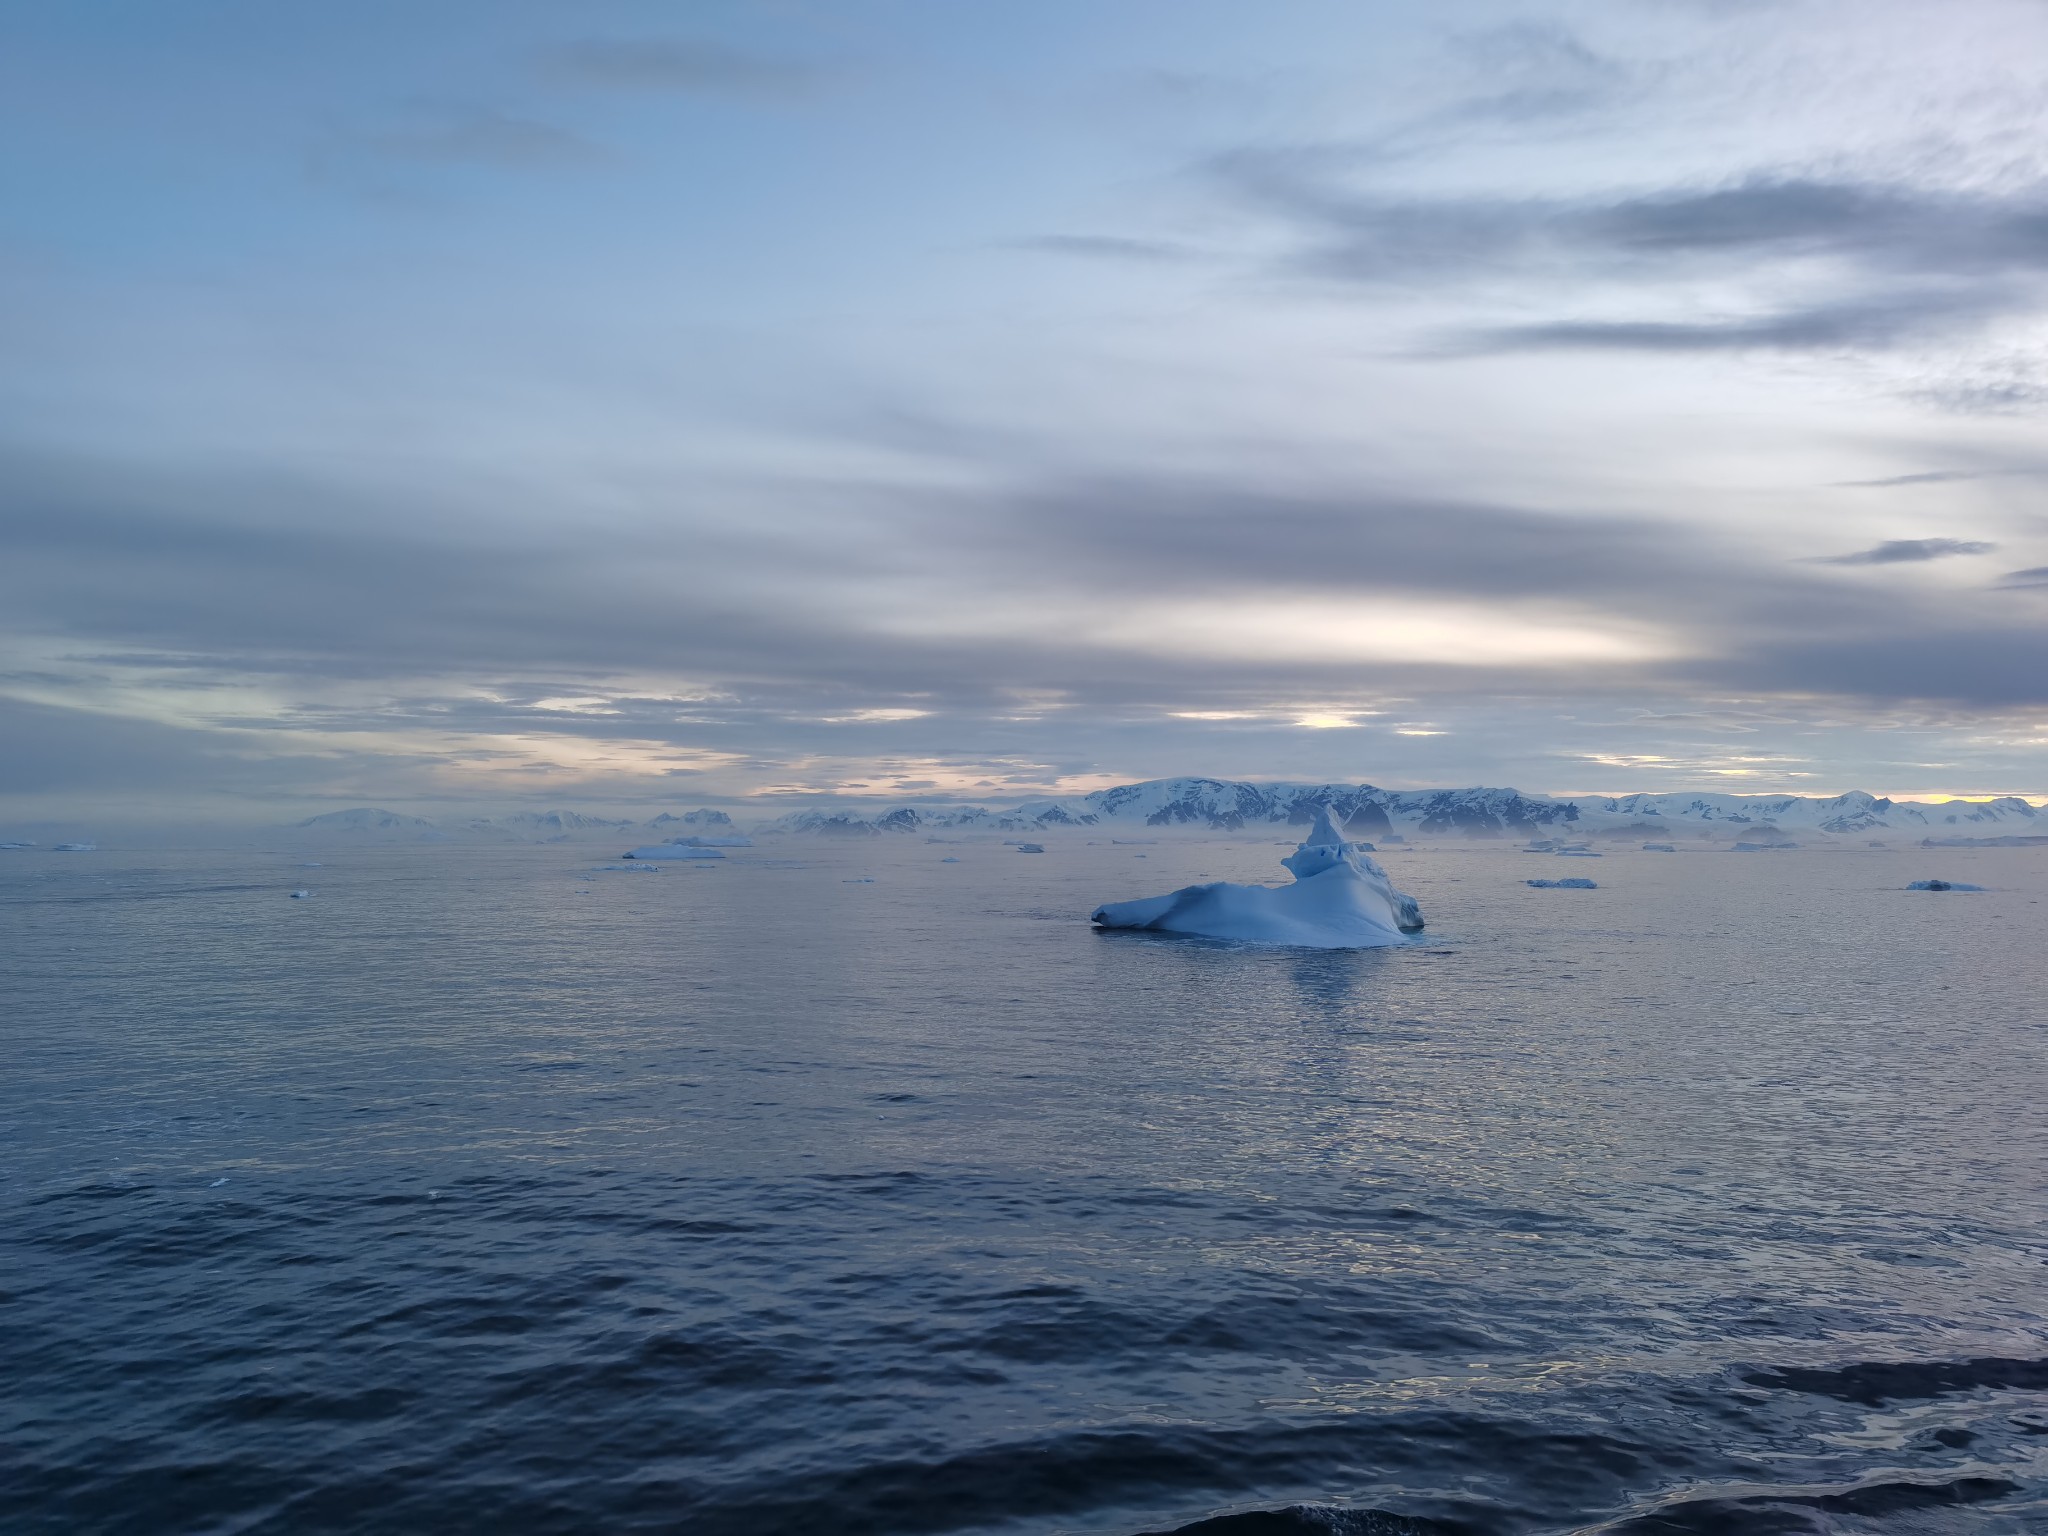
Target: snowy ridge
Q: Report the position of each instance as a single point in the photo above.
(1228, 805)
(1367, 812)
(1222, 805)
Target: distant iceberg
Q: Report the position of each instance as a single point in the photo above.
(1340, 899)
(1943, 885)
(1573, 884)
(703, 816)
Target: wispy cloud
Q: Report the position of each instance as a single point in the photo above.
(1104, 247)
(1909, 551)
(1924, 477)
(482, 136)
(1829, 264)
(689, 65)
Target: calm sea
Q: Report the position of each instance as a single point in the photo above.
(836, 1189)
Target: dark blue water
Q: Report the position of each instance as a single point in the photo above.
(481, 1192)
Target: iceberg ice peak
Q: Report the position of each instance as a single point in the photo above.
(1340, 899)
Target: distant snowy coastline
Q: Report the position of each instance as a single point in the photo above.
(1223, 806)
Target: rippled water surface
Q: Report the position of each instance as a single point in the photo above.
(836, 1189)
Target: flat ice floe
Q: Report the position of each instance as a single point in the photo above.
(1563, 885)
(673, 851)
(1340, 899)
(1943, 885)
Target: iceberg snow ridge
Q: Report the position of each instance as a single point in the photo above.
(1340, 899)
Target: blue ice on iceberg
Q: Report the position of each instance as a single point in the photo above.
(1340, 899)
(1943, 885)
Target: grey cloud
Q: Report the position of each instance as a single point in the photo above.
(51, 749)
(1925, 477)
(1364, 237)
(1907, 551)
(331, 595)
(1104, 247)
(1901, 262)
(1880, 322)
(1533, 70)
(484, 137)
(2032, 576)
(687, 65)
(1984, 397)
(1959, 665)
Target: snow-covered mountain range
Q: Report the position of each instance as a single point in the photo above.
(1226, 806)
(1222, 805)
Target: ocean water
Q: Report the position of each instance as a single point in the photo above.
(834, 1189)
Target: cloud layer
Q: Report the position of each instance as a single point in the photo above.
(1599, 400)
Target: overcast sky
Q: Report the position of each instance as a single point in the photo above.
(608, 403)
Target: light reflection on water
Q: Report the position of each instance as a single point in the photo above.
(746, 1198)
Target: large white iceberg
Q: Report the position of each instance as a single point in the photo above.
(1340, 899)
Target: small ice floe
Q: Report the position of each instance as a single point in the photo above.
(1540, 845)
(1030, 847)
(1943, 885)
(312, 866)
(301, 895)
(216, 1184)
(859, 880)
(1660, 848)
(76, 848)
(949, 859)
(689, 850)
(1573, 884)
(1764, 847)
(1340, 899)
(1577, 853)
(17, 845)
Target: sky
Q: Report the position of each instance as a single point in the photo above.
(458, 402)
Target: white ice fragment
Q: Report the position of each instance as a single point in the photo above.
(76, 848)
(17, 845)
(1340, 899)
(301, 895)
(1030, 847)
